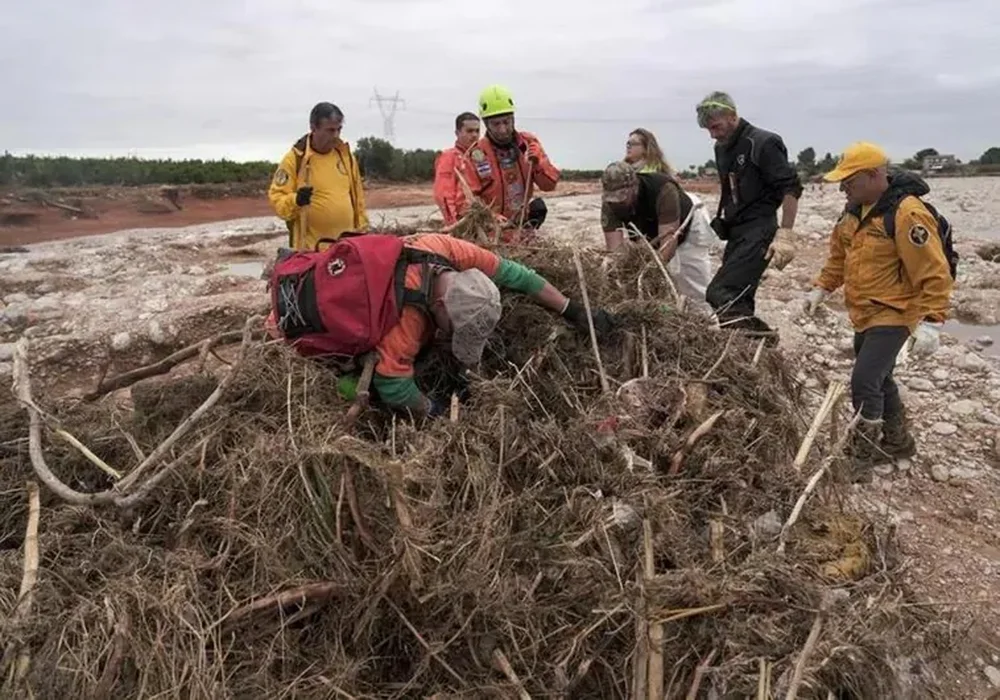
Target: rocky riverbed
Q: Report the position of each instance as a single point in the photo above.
(110, 303)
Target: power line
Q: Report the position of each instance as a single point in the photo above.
(387, 106)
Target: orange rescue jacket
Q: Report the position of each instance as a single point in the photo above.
(504, 178)
(447, 194)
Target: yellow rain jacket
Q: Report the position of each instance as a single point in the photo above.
(338, 199)
(898, 281)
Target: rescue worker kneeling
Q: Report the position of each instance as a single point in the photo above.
(888, 253)
(392, 295)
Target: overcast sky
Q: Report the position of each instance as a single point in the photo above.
(214, 78)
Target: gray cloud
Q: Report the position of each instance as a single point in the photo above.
(237, 77)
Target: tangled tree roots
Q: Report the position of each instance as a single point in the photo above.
(554, 540)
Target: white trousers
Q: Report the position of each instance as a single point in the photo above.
(691, 267)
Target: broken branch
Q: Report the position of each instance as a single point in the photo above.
(605, 387)
(106, 386)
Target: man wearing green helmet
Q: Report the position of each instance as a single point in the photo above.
(506, 165)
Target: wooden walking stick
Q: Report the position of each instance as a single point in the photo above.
(302, 180)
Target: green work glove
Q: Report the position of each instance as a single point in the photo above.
(347, 387)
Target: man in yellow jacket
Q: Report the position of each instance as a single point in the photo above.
(317, 187)
(888, 252)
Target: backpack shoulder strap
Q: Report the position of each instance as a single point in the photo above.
(431, 264)
(889, 217)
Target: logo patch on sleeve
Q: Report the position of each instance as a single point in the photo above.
(281, 177)
(919, 235)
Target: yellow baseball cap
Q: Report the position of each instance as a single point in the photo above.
(857, 157)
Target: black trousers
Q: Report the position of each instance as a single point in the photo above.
(732, 292)
(873, 389)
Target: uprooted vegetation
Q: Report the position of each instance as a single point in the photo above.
(549, 539)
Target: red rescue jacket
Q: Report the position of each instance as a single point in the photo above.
(504, 177)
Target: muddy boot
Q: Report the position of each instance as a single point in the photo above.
(896, 439)
(864, 452)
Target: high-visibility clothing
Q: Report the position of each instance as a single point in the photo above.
(503, 177)
(338, 200)
(898, 281)
(447, 192)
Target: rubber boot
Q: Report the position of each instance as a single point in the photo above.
(896, 438)
(864, 451)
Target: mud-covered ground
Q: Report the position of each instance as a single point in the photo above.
(112, 302)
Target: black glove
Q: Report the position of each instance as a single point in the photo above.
(436, 408)
(576, 314)
(303, 196)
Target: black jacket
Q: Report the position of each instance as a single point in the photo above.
(754, 173)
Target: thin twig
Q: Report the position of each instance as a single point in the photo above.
(699, 673)
(188, 423)
(811, 485)
(659, 263)
(764, 680)
(25, 598)
(605, 387)
(504, 665)
(759, 352)
(654, 675)
(699, 432)
(85, 451)
(807, 648)
(316, 592)
(833, 393)
(121, 381)
(423, 642)
(725, 350)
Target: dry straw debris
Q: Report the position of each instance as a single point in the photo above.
(552, 539)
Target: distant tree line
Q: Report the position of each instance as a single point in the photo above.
(43, 171)
(378, 159)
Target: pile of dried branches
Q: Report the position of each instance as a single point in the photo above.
(578, 528)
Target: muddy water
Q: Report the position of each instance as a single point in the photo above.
(250, 268)
(967, 332)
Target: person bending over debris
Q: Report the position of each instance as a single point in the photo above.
(317, 187)
(392, 295)
(892, 253)
(670, 218)
(447, 194)
(756, 179)
(504, 167)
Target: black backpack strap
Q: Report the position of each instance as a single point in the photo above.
(431, 265)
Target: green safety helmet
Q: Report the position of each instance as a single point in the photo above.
(494, 101)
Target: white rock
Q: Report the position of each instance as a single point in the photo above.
(121, 341)
(970, 361)
(939, 472)
(940, 375)
(963, 473)
(811, 329)
(196, 270)
(945, 428)
(920, 384)
(991, 418)
(6, 352)
(768, 525)
(883, 469)
(966, 407)
(993, 674)
(984, 340)
(904, 465)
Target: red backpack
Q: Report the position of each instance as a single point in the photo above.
(343, 300)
